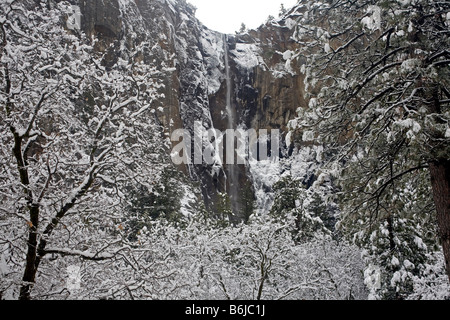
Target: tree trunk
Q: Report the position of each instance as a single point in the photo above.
(440, 182)
(29, 276)
(440, 178)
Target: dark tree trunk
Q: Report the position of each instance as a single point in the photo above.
(29, 276)
(391, 233)
(440, 178)
(440, 182)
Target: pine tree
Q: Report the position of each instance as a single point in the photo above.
(283, 10)
(243, 29)
(377, 76)
(296, 204)
(247, 201)
(162, 202)
(224, 212)
(396, 252)
(270, 18)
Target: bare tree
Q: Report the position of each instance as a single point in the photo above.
(75, 138)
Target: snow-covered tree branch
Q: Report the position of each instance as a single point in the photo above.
(377, 77)
(75, 138)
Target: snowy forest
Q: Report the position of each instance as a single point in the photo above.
(97, 99)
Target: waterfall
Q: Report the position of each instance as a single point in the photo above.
(229, 109)
(232, 169)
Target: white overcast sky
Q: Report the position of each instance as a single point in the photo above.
(226, 16)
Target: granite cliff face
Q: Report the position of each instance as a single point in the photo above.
(223, 81)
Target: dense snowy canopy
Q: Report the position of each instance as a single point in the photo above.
(351, 203)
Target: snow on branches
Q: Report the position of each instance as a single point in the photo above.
(76, 136)
(377, 73)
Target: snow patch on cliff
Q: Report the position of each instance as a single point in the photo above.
(247, 55)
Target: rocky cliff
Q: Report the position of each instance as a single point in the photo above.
(222, 81)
